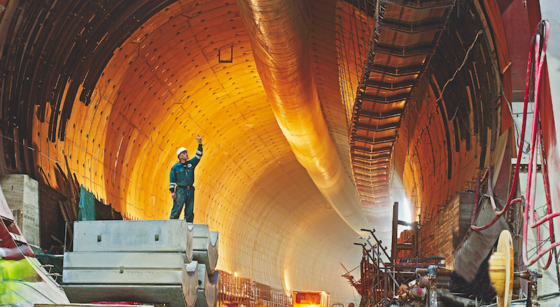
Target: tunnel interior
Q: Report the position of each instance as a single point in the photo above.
(114, 88)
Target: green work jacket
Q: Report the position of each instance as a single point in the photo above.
(182, 174)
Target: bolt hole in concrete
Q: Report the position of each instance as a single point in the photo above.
(157, 237)
(99, 238)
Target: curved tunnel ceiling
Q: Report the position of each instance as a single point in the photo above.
(126, 85)
(171, 81)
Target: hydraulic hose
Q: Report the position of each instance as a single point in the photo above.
(539, 54)
(538, 51)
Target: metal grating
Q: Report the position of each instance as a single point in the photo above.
(406, 37)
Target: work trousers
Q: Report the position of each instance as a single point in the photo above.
(185, 197)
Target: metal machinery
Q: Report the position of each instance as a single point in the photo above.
(385, 279)
(382, 275)
(431, 288)
(415, 281)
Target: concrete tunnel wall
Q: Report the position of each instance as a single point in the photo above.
(161, 88)
(160, 84)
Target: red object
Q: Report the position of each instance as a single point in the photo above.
(539, 54)
(533, 66)
(116, 303)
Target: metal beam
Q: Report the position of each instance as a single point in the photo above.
(391, 86)
(377, 159)
(377, 128)
(425, 26)
(422, 5)
(384, 100)
(370, 183)
(370, 151)
(370, 167)
(381, 115)
(383, 192)
(381, 189)
(397, 71)
(377, 189)
(369, 163)
(371, 175)
(405, 51)
(367, 178)
(363, 139)
(374, 202)
(368, 197)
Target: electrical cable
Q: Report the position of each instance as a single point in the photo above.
(538, 51)
(443, 90)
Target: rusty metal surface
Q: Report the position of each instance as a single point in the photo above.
(408, 36)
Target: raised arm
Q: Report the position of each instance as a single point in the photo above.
(198, 154)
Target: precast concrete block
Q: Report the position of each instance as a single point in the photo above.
(110, 276)
(190, 283)
(205, 247)
(134, 236)
(171, 295)
(207, 287)
(123, 268)
(22, 195)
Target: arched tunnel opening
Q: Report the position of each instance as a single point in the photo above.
(315, 117)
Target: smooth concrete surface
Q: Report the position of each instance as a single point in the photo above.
(140, 277)
(145, 236)
(205, 247)
(207, 287)
(137, 257)
(190, 283)
(154, 96)
(160, 87)
(149, 260)
(123, 268)
(148, 294)
(22, 196)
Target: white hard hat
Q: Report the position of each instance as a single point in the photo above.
(180, 150)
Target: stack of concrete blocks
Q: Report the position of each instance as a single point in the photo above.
(22, 196)
(152, 262)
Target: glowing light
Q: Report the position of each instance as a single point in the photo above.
(235, 274)
(287, 287)
(407, 211)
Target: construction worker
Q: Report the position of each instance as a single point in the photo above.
(181, 180)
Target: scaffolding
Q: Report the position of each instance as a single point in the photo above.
(235, 291)
(380, 283)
